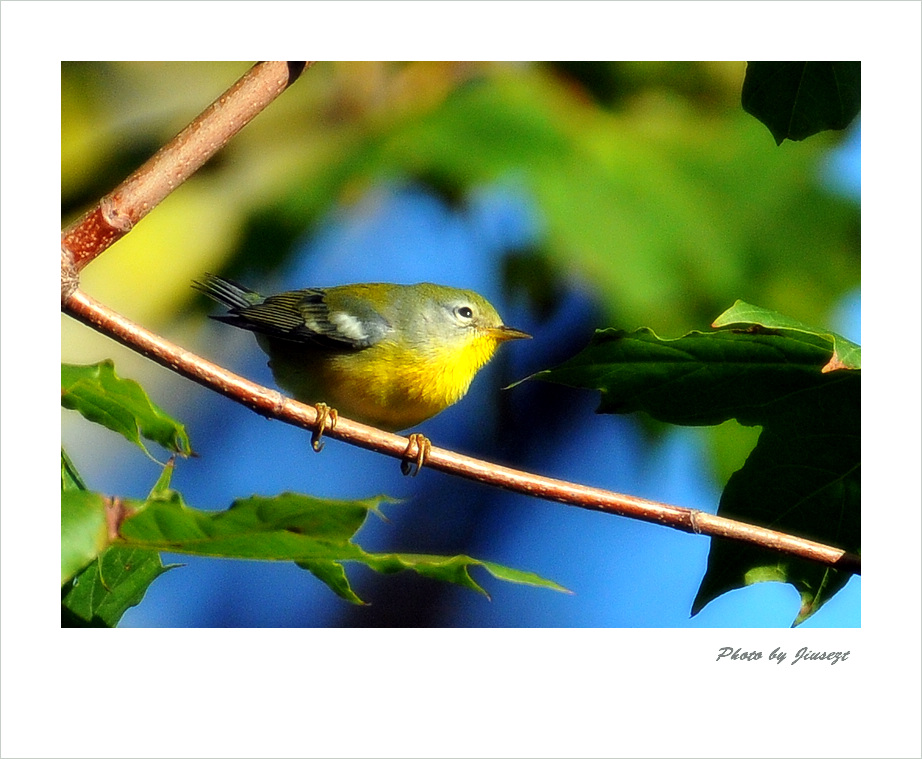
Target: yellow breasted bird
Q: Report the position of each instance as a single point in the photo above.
(388, 355)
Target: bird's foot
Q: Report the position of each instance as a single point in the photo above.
(418, 449)
(324, 414)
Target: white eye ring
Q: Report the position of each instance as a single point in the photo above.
(464, 312)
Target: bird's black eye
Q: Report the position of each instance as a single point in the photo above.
(465, 312)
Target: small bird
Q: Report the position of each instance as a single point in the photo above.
(387, 355)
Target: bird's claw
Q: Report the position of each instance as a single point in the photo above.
(324, 413)
(418, 450)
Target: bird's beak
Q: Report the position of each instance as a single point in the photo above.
(508, 333)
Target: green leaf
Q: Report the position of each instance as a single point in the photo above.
(315, 533)
(70, 477)
(845, 353)
(162, 485)
(116, 581)
(98, 581)
(121, 405)
(456, 569)
(802, 478)
(286, 527)
(84, 534)
(797, 99)
(699, 379)
(333, 574)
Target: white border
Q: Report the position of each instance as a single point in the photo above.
(458, 692)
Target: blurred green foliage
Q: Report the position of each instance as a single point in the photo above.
(658, 193)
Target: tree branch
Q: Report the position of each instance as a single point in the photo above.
(272, 404)
(117, 213)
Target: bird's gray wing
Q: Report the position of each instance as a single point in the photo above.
(305, 316)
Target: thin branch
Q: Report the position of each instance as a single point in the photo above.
(117, 213)
(273, 404)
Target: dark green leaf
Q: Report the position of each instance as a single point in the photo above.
(121, 405)
(803, 477)
(797, 99)
(701, 378)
